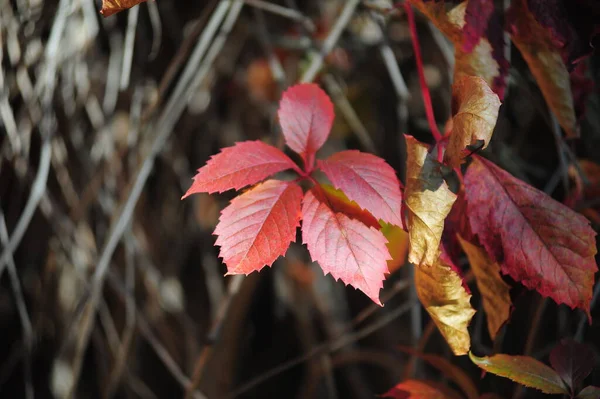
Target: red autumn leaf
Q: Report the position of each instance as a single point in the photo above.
(415, 389)
(522, 369)
(537, 240)
(110, 7)
(477, 17)
(258, 226)
(572, 361)
(367, 180)
(306, 116)
(340, 203)
(238, 166)
(344, 247)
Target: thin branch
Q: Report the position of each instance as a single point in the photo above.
(334, 35)
(132, 19)
(283, 11)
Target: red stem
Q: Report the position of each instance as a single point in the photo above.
(424, 89)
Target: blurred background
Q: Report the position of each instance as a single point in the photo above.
(111, 286)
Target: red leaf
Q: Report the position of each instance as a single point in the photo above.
(344, 247)
(415, 389)
(306, 115)
(537, 240)
(235, 167)
(367, 180)
(258, 226)
(572, 361)
(477, 17)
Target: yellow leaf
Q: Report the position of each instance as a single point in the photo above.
(494, 291)
(441, 292)
(110, 7)
(428, 201)
(475, 119)
(397, 245)
(450, 21)
(545, 63)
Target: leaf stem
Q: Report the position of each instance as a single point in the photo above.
(424, 89)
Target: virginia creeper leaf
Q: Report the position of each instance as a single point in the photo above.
(368, 180)
(258, 226)
(306, 116)
(537, 240)
(475, 54)
(428, 201)
(339, 203)
(475, 119)
(238, 166)
(397, 245)
(416, 389)
(442, 294)
(110, 7)
(572, 361)
(590, 392)
(522, 369)
(544, 59)
(344, 247)
(494, 291)
(457, 223)
(451, 371)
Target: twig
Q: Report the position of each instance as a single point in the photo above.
(156, 29)
(327, 347)
(132, 18)
(191, 77)
(424, 89)
(349, 113)
(22, 310)
(336, 31)
(283, 11)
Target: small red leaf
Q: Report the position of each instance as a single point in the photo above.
(367, 180)
(238, 166)
(415, 389)
(477, 17)
(344, 247)
(537, 240)
(306, 116)
(572, 361)
(258, 226)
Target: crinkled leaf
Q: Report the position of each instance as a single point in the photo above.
(522, 369)
(368, 180)
(442, 294)
(344, 247)
(243, 164)
(338, 202)
(306, 115)
(544, 59)
(258, 226)
(451, 371)
(573, 361)
(474, 121)
(416, 389)
(537, 240)
(428, 201)
(475, 54)
(590, 392)
(494, 291)
(110, 7)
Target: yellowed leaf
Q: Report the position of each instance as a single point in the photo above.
(397, 245)
(474, 122)
(494, 291)
(545, 63)
(428, 201)
(480, 61)
(441, 292)
(110, 7)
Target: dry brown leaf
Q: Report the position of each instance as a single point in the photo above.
(494, 291)
(428, 201)
(474, 122)
(546, 64)
(110, 7)
(441, 292)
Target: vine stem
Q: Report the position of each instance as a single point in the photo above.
(424, 89)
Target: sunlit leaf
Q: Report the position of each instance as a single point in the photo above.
(110, 7)
(522, 369)
(416, 389)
